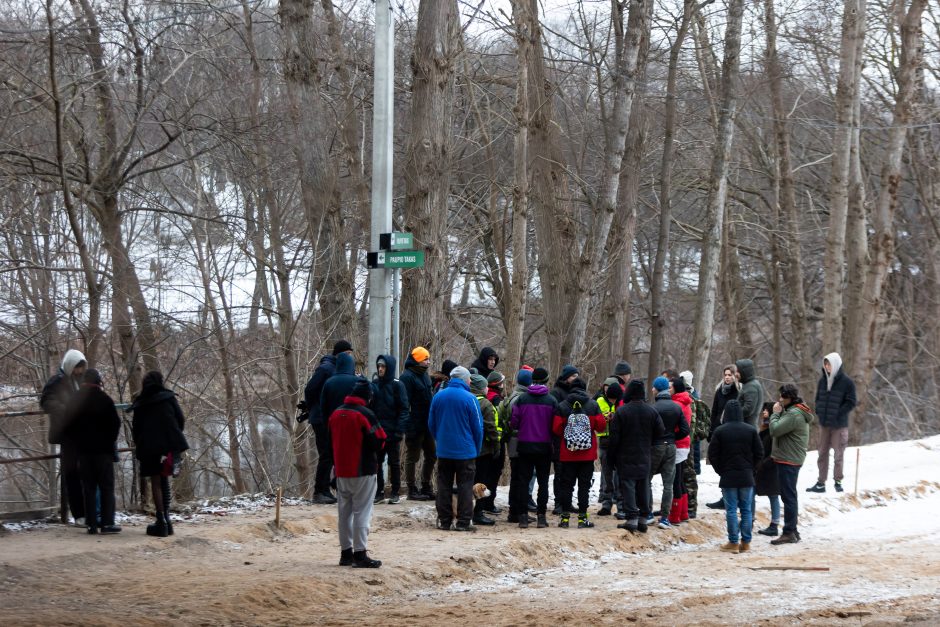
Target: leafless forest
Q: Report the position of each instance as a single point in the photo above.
(186, 186)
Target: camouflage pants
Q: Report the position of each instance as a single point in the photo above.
(691, 484)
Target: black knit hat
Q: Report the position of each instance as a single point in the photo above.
(540, 376)
(622, 368)
(362, 389)
(614, 392)
(447, 366)
(341, 347)
(636, 391)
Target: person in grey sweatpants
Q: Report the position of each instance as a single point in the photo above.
(357, 439)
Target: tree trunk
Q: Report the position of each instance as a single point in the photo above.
(627, 54)
(853, 29)
(790, 251)
(885, 209)
(427, 173)
(700, 348)
(658, 286)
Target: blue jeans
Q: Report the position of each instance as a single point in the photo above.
(787, 476)
(774, 509)
(738, 498)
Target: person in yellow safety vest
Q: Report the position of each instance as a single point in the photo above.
(489, 452)
(609, 401)
(495, 390)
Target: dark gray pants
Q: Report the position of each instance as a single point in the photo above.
(449, 473)
(663, 463)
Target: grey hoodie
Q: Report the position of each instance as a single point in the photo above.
(751, 395)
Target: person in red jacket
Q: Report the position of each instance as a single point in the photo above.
(577, 419)
(357, 438)
(679, 512)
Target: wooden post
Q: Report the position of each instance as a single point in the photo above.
(858, 456)
(277, 508)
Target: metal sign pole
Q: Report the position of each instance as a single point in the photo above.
(396, 316)
(380, 296)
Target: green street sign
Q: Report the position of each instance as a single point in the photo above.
(396, 241)
(400, 259)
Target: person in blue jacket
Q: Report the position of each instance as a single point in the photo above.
(456, 425)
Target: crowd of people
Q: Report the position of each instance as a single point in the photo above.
(84, 422)
(467, 421)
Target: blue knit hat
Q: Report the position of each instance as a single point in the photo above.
(567, 371)
(661, 384)
(524, 378)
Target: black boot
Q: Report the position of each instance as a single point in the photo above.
(346, 557)
(169, 523)
(158, 529)
(542, 521)
(361, 559)
(719, 504)
(415, 495)
(771, 530)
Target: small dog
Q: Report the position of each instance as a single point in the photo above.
(480, 491)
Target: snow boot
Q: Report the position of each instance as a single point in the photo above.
(361, 559)
(524, 522)
(158, 529)
(771, 530)
(787, 538)
(684, 511)
(641, 525)
(346, 557)
(542, 522)
(584, 522)
(675, 513)
(817, 487)
(565, 518)
(169, 523)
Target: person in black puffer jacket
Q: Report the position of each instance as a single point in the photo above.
(633, 429)
(835, 399)
(159, 444)
(734, 452)
(485, 363)
(93, 426)
(418, 439)
(390, 405)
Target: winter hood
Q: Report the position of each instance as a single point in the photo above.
(835, 360)
(733, 412)
(486, 353)
(71, 359)
(390, 364)
(746, 368)
(345, 364)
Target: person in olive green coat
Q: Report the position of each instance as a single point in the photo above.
(789, 428)
(489, 452)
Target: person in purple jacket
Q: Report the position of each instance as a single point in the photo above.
(532, 420)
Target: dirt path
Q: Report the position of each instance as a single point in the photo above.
(239, 570)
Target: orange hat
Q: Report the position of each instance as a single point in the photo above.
(420, 353)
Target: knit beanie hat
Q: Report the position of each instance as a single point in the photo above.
(524, 378)
(579, 384)
(678, 385)
(635, 391)
(341, 347)
(495, 378)
(461, 373)
(527, 367)
(477, 384)
(614, 392)
(687, 376)
(420, 353)
(612, 381)
(362, 389)
(567, 371)
(540, 376)
(622, 368)
(448, 365)
(661, 384)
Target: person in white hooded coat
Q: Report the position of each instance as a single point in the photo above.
(835, 399)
